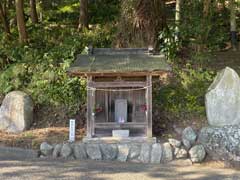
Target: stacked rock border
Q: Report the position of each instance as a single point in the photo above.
(130, 152)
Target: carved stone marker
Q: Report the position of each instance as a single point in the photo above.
(121, 110)
(223, 99)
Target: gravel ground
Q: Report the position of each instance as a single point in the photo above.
(43, 169)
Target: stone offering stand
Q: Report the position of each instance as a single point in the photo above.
(126, 150)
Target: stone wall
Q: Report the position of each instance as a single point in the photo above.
(130, 152)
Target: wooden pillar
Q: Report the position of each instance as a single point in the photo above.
(93, 112)
(110, 107)
(106, 106)
(90, 108)
(149, 105)
(133, 106)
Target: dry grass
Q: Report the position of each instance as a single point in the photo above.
(33, 138)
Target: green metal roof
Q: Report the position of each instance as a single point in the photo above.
(118, 61)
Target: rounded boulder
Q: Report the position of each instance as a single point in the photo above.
(16, 112)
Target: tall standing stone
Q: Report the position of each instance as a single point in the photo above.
(223, 99)
(16, 112)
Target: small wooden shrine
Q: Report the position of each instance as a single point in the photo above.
(119, 89)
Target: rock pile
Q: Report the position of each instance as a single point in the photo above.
(188, 147)
(134, 152)
(221, 143)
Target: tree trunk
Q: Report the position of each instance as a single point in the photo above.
(83, 18)
(33, 11)
(205, 26)
(149, 20)
(233, 24)
(160, 17)
(224, 5)
(206, 7)
(140, 23)
(177, 18)
(4, 19)
(20, 21)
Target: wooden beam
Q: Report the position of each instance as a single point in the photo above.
(117, 84)
(114, 140)
(105, 74)
(90, 109)
(113, 125)
(149, 105)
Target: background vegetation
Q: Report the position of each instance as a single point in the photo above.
(39, 39)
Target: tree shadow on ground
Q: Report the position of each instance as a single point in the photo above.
(67, 169)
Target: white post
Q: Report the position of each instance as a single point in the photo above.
(72, 130)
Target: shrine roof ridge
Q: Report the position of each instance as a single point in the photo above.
(119, 60)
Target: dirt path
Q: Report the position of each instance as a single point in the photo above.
(87, 170)
(27, 168)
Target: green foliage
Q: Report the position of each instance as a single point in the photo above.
(204, 33)
(187, 91)
(168, 43)
(40, 68)
(104, 11)
(66, 12)
(197, 32)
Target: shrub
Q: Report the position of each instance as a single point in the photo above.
(185, 94)
(40, 68)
